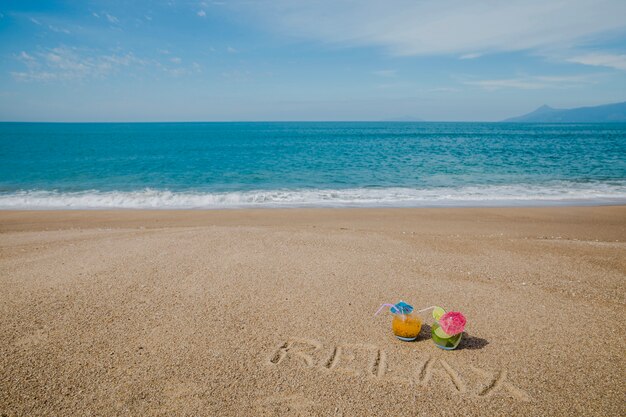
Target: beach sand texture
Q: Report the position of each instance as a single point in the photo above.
(270, 312)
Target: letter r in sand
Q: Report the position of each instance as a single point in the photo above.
(299, 349)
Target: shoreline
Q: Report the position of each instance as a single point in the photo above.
(455, 204)
(552, 194)
(269, 312)
(15, 220)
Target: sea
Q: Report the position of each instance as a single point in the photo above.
(309, 164)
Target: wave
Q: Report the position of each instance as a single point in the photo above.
(562, 193)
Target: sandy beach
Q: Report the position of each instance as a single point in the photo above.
(270, 312)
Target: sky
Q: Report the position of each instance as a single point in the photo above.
(300, 60)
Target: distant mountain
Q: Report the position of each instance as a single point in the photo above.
(599, 114)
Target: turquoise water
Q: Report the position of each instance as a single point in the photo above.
(214, 165)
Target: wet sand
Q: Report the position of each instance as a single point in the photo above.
(270, 312)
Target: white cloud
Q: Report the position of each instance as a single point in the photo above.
(50, 26)
(58, 29)
(231, 50)
(201, 13)
(178, 69)
(34, 76)
(537, 82)
(616, 61)
(237, 75)
(410, 27)
(443, 90)
(26, 58)
(470, 56)
(524, 84)
(64, 63)
(111, 18)
(386, 73)
(176, 72)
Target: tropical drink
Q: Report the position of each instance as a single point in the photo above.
(406, 326)
(447, 330)
(444, 340)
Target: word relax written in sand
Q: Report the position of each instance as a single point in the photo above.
(371, 362)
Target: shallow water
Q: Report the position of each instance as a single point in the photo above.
(215, 165)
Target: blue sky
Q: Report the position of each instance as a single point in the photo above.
(307, 60)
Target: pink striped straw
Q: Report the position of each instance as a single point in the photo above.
(393, 305)
(383, 306)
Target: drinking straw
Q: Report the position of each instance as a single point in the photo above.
(393, 305)
(383, 306)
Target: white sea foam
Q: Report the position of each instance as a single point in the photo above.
(501, 195)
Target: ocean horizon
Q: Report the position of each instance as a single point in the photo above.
(215, 165)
